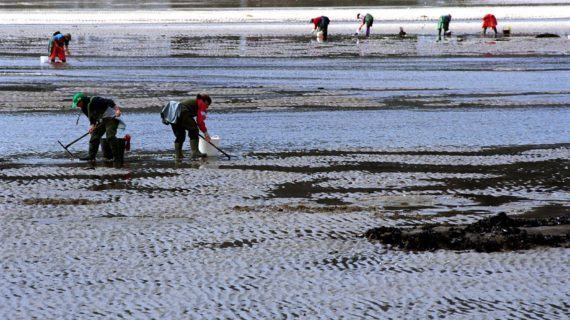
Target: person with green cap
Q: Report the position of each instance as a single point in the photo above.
(180, 115)
(102, 114)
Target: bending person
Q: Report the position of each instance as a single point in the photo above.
(180, 115)
(365, 20)
(443, 23)
(59, 46)
(321, 24)
(102, 114)
(489, 21)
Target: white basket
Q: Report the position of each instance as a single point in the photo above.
(208, 149)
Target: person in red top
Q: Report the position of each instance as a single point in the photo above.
(181, 117)
(321, 25)
(489, 21)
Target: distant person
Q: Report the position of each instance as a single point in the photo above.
(443, 23)
(402, 34)
(180, 115)
(489, 21)
(103, 117)
(59, 46)
(321, 24)
(365, 20)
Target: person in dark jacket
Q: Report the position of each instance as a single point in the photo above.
(180, 115)
(59, 46)
(321, 24)
(102, 114)
(443, 24)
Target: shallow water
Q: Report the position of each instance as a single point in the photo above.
(415, 82)
(289, 130)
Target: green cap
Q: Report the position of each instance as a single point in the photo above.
(76, 98)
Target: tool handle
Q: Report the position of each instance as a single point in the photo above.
(213, 145)
(83, 136)
(74, 141)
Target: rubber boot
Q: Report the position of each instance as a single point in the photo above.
(93, 147)
(195, 152)
(115, 149)
(178, 155)
(120, 152)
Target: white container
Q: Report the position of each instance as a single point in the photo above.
(207, 148)
(44, 59)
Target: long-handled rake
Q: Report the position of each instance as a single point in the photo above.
(74, 141)
(71, 143)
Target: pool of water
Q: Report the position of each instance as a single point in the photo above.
(242, 132)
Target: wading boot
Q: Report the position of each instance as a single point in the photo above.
(196, 154)
(93, 147)
(115, 149)
(120, 152)
(178, 155)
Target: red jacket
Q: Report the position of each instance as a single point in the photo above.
(316, 21)
(201, 116)
(489, 21)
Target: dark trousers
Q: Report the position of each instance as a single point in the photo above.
(180, 132)
(325, 32)
(108, 127)
(324, 27)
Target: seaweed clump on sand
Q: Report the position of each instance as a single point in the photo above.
(496, 233)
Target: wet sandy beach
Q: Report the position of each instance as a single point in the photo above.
(329, 140)
(143, 66)
(277, 235)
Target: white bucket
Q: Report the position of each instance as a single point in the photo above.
(207, 148)
(44, 59)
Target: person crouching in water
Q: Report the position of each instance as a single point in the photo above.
(180, 115)
(365, 20)
(321, 25)
(102, 114)
(59, 46)
(402, 34)
(489, 21)
(443, 23)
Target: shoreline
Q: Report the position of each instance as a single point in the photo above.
(299, 15)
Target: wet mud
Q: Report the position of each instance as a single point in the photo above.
(59, 202)
(239, 225)
(496, 233)
(263, 70)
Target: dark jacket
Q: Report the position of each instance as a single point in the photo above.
(95, 107)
